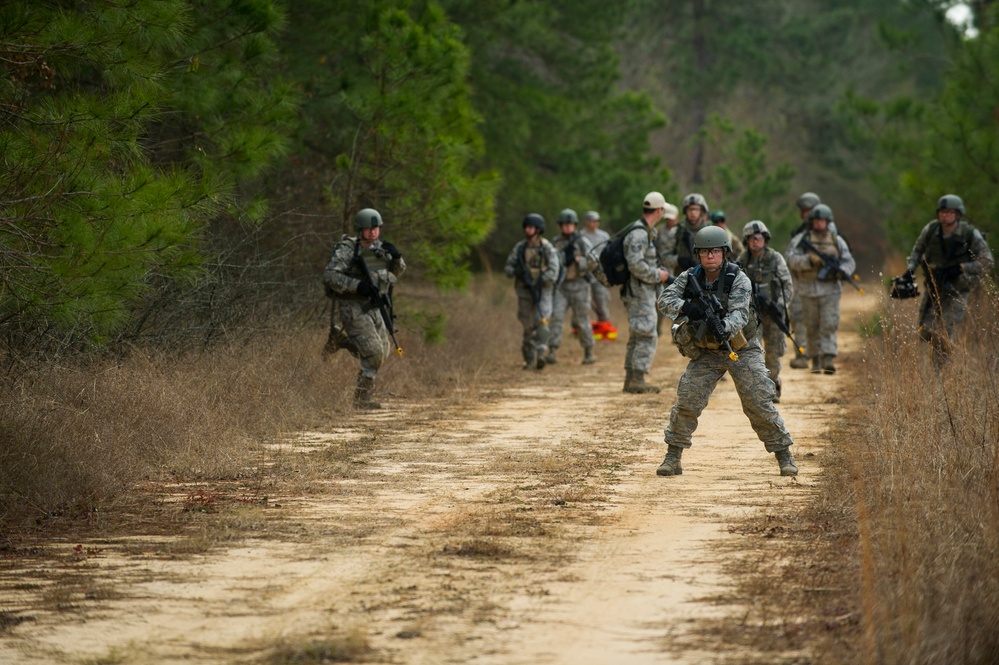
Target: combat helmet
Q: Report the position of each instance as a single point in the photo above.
(808, 200)
(712, 236)
(717, 216)
(951, 201)
(568, 216)
(368, 218)
(535, 220)
(821, 211)
(694, 199)
(754, 227)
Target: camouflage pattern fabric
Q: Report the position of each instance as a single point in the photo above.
(752, 383)
(821, 316)
(574, 294)
(639, 298)
(534, 319)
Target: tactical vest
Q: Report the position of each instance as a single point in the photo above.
(942, 251)
(532, 259)
(376, 260)
(762, 273)
(721, 288)
(826, 245)
(569, 248)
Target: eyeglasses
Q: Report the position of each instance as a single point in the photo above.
(714, 251)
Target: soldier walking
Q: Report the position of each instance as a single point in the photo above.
(359, 279)
(573, 291)
(639, 294)
(533, 263)
(820, 285)
(768, 270)
(954, 256)
(717, 328)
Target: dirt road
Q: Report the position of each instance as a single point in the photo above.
(521, 523)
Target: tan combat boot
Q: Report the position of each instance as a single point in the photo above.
(800, 361)
(362, 394)
(671, 465)
(588, 357)
(827, 365)
(816, 365)
(786, 462)
(635, 383)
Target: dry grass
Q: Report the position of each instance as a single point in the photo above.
(75, 437)
(894, 560)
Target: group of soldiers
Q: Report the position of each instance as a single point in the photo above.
(733, 301)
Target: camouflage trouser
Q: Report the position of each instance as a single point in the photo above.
(534, 319)
(642, 317)
(794, 313)
(600, 297)
(821, 314)
(774, 344)
(574, 294)
(939, 316)
(752, 383)
(357, 327)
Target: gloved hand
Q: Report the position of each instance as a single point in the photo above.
(390, 249)
(717, 328)
(815, 260)
(907, 276)
(693, 309)
(367, 290)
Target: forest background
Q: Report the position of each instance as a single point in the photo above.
(175, 170)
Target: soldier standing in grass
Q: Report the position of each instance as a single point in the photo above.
(639, 294)
(597, 237)
(954, 256)
(717, 341)
(820, 289)
(768, 270)
(534, 263)
(574, 291)
(359, 279)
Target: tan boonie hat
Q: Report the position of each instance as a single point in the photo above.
(654, 200)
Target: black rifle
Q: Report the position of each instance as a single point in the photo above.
(525, 274)
(383, 301)
(830, 266)
(713, 310)
(779, 318)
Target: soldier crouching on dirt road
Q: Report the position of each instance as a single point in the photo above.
(359, 278)
(534, 263)
(717, 328)
(954, 256)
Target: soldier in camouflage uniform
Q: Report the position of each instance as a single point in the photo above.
(805, 203)
(703, 338)
(597, 237)
(574, 253)
(534, 263)
(768, 270)
(820, 290)
(666, 252)
(954, 256)
(639, 294)
(356, 321)
(695, 217)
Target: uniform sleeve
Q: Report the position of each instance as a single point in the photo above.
(784, 277)
(919, 249)
(551, 271)
(738, 303)
(670, 301)
(983, 256)
(336, 277)
(511, 267)
(797, 258)
(846, 261)
(642, 269)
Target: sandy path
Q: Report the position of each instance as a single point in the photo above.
(595, 559)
